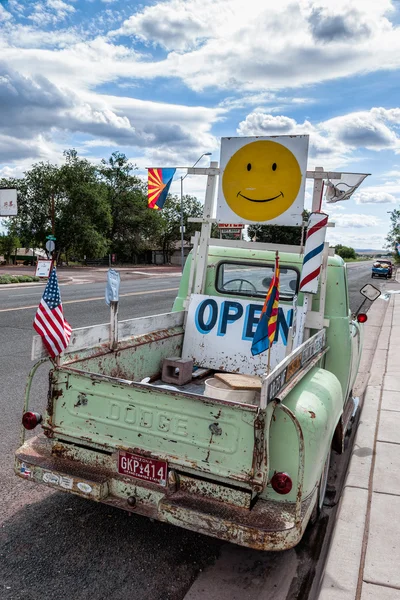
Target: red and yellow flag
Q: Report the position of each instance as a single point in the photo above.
(264, 335)
(158, 184)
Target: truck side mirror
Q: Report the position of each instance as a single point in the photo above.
(370, 292)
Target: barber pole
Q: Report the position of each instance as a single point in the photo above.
(315, 240)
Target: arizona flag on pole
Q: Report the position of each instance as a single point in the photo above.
(49, 320)
(158, 184)
(264, 335)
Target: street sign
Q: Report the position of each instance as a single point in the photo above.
(8, 202)
(43, 268)
(51, 237)
(230, 225)
(50, 245)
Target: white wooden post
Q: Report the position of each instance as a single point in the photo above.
(113, 325)
(201, 265)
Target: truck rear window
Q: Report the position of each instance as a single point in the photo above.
(243, 279)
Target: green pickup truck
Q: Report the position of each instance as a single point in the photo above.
(250, 466)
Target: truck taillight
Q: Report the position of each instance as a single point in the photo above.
(362, 318)
(31, 419)
(281, 483)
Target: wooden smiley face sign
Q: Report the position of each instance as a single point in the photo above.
(262, 179)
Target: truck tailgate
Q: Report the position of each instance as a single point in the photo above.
(187, 430)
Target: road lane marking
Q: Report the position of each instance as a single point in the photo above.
(91, 299)
(24, 295)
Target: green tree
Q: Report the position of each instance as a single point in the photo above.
(132, 223)
(345, 251)
(82, 216)
(277, 234)
(8, 244)
(168, 232)
(83, 224)
(393, 237)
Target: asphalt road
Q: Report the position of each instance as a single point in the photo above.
(54, 545)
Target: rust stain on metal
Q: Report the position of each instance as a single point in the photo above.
(312, 413)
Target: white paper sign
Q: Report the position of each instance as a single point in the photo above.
(262, 179)
(8, 202)
(43, 268)
(219, 333)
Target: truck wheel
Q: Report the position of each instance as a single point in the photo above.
(323, 482)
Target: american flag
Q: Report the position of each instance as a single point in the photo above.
(49, 320)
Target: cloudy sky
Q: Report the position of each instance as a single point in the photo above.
(163, 81)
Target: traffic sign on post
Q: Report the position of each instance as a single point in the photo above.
(50, 245)
(51, 237)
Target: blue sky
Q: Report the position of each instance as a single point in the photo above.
(163, 81)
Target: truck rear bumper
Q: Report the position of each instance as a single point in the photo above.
(266, 526)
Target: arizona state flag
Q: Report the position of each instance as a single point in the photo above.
(264, 335)
(158, 184)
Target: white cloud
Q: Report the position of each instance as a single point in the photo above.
(230, 44)
(268, 124)
(391, 174)
(4, 15)
(358, 221)
(334, 140)
(239, 48)
(375, 198)
(374, 241)
(364, 129)
(51, 11)
(33, 106)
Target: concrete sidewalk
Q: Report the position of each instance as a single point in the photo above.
(364, 558)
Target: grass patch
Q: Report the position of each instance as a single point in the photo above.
(4, 279)
(355, 259)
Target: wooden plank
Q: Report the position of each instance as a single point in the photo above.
(202, 257)
(293, 364)
(143, 325)
(254, 245)
(240, 382)
(95, 335)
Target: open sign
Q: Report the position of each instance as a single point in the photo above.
(219, 333)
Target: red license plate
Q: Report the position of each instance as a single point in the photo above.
(141, 467)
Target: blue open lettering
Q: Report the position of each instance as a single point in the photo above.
(202, 326)
(226, 316)
(231, 311)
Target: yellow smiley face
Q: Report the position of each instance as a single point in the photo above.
(261, 181)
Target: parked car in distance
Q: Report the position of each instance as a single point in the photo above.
(382, 268)
(389, 264)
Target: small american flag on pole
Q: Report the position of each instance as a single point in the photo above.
(49, 320)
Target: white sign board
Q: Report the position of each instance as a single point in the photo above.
(43, 268)
(219, 332)
(8, 202)
(262, 179)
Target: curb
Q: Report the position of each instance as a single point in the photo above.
(10, 286)
(343, 576)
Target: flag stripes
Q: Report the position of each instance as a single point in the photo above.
(266, 331)
(49, 320)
